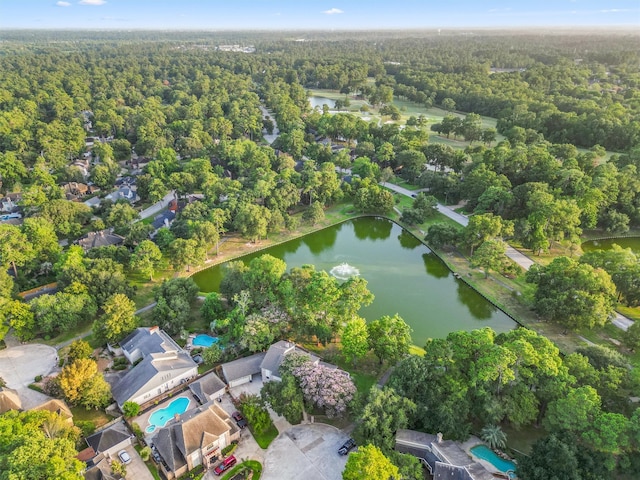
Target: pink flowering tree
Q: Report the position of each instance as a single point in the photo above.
(329, 389)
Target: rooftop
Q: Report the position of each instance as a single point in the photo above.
(243, 367)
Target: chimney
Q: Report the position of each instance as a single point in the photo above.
(439, 437)
(154, 329)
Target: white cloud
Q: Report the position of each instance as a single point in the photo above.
(63, 4)
(333, 11)
(92, 2)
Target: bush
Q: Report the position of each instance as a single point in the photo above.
(38, 378)
(87, 427)
(35, 387)
(228, 450)
(137, 431)
(145, 453)
(130, 409)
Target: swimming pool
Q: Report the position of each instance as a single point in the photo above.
(485, 453)
(203, 340)
(159, 418)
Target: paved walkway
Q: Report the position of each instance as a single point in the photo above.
(517, 256)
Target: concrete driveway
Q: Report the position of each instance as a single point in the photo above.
(20, 365)
(306, 451)
(136, 469)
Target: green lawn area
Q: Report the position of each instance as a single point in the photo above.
(265, 438)
(255, 466)
(631, 312)
(97, 417)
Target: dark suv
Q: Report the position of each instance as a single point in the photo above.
(347, 446)
(240, 420)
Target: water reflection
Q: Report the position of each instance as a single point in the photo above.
(408, 240)
(375, 229)
(469, 297)
(434, 266)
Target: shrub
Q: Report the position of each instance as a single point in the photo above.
(229, 449)
(38, 378)
(87, 427)
(130, 409)
(145, 453)
(137, 431)
(35, 387)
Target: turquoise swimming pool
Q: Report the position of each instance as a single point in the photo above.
(203, 340)
(485, 453)
(159, 418)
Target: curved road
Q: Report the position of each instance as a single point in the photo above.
(520, 258)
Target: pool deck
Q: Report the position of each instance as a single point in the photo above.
(143, 419)
(474, 442)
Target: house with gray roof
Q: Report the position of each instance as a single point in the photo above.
(208, 387)
(102, 238)
(110, 441)
(270, 366)
(163, 365)
(443, 458)
(195, 438)
(242, 370)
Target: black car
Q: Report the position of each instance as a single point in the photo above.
(347, 446)
(240, 420)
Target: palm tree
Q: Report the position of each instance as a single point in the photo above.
(494, 437)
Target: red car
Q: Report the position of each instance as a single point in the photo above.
(226, 464)
(240, 420)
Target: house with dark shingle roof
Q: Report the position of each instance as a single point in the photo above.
(208, 387)
(102, 238)
(110, 441)
(270, 366)
(195, 438)
(163, 365)
(444, 459)
(242, 370)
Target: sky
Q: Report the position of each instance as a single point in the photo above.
(313, 14)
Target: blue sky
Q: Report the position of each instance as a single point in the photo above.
(313, 14)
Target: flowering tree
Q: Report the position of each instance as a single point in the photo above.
(327, 388)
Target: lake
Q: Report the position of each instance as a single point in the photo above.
(403, 274)
(320, 101)
(625, 242)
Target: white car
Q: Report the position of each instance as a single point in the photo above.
(124, 456)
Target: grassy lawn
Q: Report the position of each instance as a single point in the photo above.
(255, 466)
(97, 417)
(150, 465)
(265, 438)
(631, 312)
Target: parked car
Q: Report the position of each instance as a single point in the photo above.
(240, 420)
(124, 456)
(347, 446)
(226, 464)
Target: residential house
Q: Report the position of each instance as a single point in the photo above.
(160, 365)
(9, 400)
(208, 387)
(194, 438)
(125, 192)
(103, 447)
(109, 441)
(165, 219)
(57, 406)
(75, 190)
(443, 459)
(102, 238)
(270, 365)
(9, 203)
(242, 370)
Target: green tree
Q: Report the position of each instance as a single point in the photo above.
(212, 308)
(117, 320)
(572, 294)
(369, 462)
(389, 338)
(212, 355)
(252, 221)
(314, 213)
(118, 468)
(355, 339)
(79, 349)
(146, 258)
(130, 409)
(121, 215)
(14, 247)
(494, 437)
(82, 384)
(385, 413)
(632, 337)
(441, 234)
(186, 253)
(490, 255)
(26, 452)
(285, 398)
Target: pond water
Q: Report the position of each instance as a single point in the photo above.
(625, 242)
(319, 101)
(403, 274)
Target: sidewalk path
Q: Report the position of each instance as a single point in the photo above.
(520, 258)
(157, 207)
